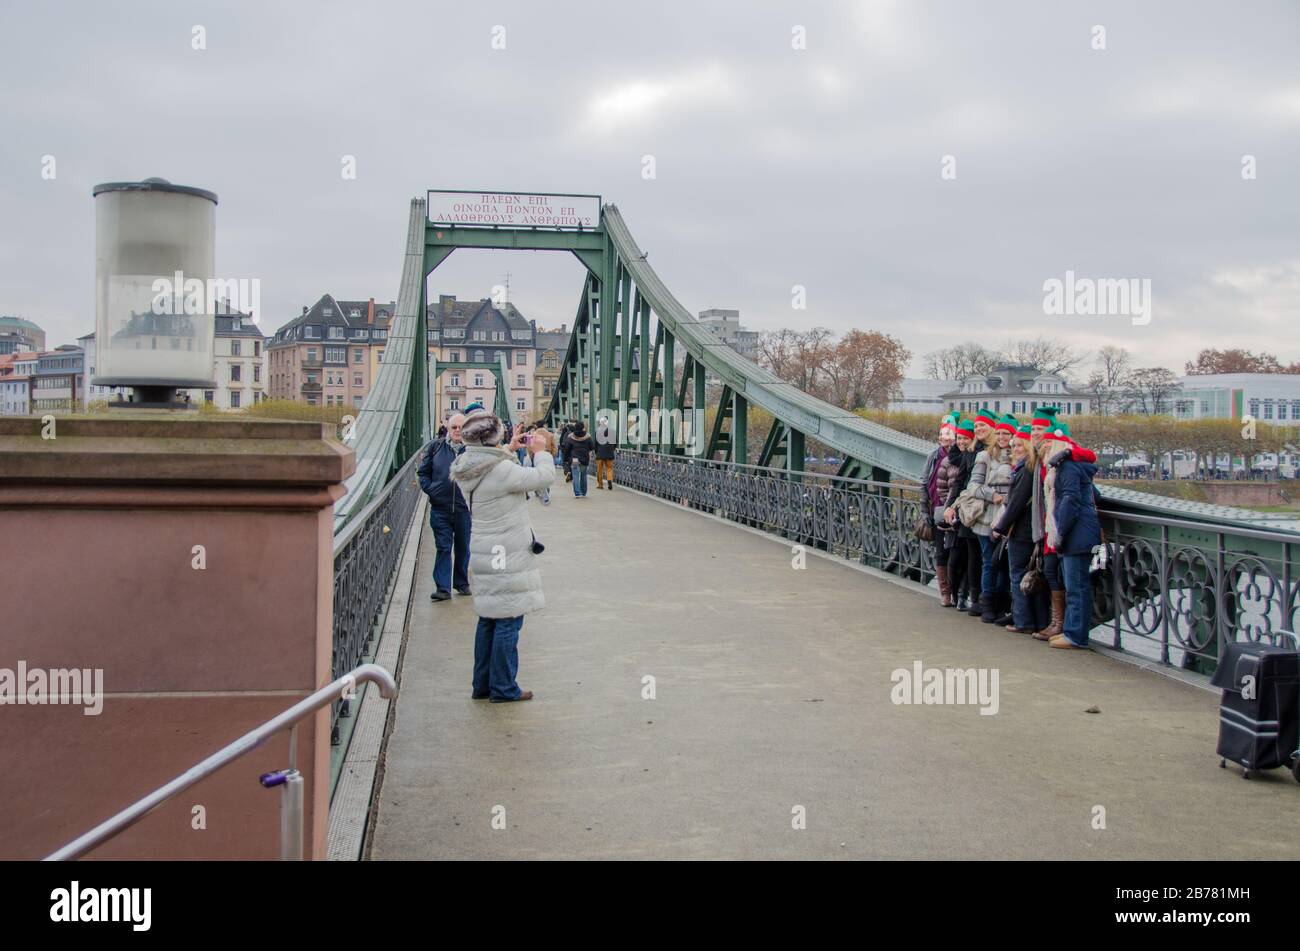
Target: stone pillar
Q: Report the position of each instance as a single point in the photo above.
(190, 559)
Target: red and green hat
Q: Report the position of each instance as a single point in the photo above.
(1007, 422)
(949, 420)
(987, 417)
(1024, 432)
(965, 428)
(1060, 431)
(1046, 416)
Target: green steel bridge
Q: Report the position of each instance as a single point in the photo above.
(1183, 577)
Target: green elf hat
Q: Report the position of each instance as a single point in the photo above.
(986, 416)
(949, 419)
(965, 428)
(1046, 416)
(1007, 422)
(1059, 431)
(1024, 432)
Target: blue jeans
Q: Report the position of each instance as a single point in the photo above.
(579, 479)
(1078, 597)
(496, 657)
(450, 533)
(1022, 611)
(993, 571)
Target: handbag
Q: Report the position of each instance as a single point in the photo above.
(1034, 581)
(924, 529)
(970, 507)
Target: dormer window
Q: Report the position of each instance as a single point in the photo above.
(355, 314)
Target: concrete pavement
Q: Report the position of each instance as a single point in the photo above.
(773, 699)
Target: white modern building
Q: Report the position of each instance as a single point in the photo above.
(921, 395)
(16, 372)
(1268, 397)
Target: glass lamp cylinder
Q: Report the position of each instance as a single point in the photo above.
(155, 250)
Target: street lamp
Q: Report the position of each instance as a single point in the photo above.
(154, 318)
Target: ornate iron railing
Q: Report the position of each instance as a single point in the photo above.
(365, 561)
(1183, 589)
(1178, 591)
(857, 519)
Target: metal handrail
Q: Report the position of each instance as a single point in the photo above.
(366, 673)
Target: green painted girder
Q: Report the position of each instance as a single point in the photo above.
(774, 445)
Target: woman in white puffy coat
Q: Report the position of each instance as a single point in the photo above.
(502, 565)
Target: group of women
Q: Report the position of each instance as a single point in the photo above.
(1007, 500)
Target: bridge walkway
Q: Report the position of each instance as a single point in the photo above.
(773, 691)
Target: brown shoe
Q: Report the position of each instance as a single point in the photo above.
(1062, 642)
(1057, 624)
(1018, 630)
(526, 695)
(945, 590)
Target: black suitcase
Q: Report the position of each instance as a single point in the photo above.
(1259, 717)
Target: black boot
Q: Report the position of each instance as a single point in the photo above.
(1004, 610)
(989, 614)
(961, 600)
(976, 603)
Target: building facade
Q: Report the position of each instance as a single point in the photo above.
(1268, 397)
(1015, 389)
(18, 334)
(480, 331)
(915, 395)
(725, 325)
(551, 348)
(330, 354)
(56, 386)
(16, 372)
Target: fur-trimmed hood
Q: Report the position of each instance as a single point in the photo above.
(475, 462)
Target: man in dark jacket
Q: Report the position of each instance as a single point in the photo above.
(606, 444)
(448, 513)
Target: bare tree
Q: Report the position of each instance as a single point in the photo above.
(797, 356)
(1150, 390)
(1107, 382)
(963, 360)
(1045, 356)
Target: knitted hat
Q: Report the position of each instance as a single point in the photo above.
(1059, 430)
(1046, 416)
(1024, 432)
(477, 404)
(965, 428)
(482, 429)
(948, 421)
(1007, 422)
(986, 416)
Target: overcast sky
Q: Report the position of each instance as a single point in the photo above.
(774, 166)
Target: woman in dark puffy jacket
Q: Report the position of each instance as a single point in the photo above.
(1073, 530)
(935, 481)
(1029, 612)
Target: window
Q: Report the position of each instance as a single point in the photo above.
(234, 373)
(480, 335)
(519, 404)
(1078, 408)
(356, 380)
(454, 357)
(358, 335)
(358, 355)
(455, 379)
(478, 356)
(521, 358)
(313, 333)
(336, 333)
(234, 399)
(257, 348)
(234, 348)
(1254, 408)
(380, 356)
(1281, 409)
(519, 381)
(1268, 409)
(257, 373)
(311, 354)
(381, 335)
(478, 379)
(498, 335)
(207, 396)
(336, 355)
(354, 314)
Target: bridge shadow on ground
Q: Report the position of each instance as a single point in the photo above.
(773, 692)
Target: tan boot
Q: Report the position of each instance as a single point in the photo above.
(1057, 624)
(945, 590)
